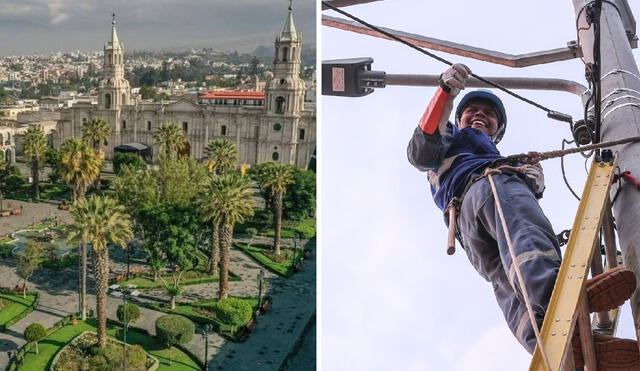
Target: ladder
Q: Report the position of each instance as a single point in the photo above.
(568, 302)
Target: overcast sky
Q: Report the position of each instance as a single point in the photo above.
(42, 26)
(391, 297)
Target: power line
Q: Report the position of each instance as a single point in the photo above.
(556, 115)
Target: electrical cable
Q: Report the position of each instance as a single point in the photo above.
(597, 86)
(556, 115)
(564, 175)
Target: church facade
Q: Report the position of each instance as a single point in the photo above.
(273, 125)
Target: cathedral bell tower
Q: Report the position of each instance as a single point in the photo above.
(285, 90)
(284, 98)
(114, 91)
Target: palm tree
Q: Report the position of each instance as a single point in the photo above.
(96, 132)
(80, 166)
(35, 148)
(100, 221)
(227, 201)
(171, 139)
(222, 156)
(275, 180)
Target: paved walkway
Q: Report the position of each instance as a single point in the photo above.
(275, 335)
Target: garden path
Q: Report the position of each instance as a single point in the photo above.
(275, 335)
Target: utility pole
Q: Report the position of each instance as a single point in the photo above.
(622, 118)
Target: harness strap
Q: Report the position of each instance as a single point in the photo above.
(489, 172)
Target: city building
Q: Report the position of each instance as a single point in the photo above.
(276, 124)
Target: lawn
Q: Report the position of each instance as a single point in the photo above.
(52, 344)
(17, 307)
(144, 281)
(48, 191)
(261, 254)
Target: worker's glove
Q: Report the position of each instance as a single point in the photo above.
(535, 179)
(454, 79)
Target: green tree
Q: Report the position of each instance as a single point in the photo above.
(171, 140)
(53, 158)
(35, 149)
(222, 156)
(35, 332)
(169, 237)
(128, 313)
(227, 201)
(273, 179)
(96, 133)
(170, 242)
(136, 189)
(28, 262)
(126, 158)
(100, 221)
(180, 181)
(80, 166)
(300, 199)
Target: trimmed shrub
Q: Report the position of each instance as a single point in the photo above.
(35, 332)
(233, 311)
(172, 329)
(128, 313)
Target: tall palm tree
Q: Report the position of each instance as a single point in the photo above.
(80, 166)
(96, 132)
(171, 139)
(35, 148)
(100, 221)
(275, 180)
(222, 156)
(227, 201)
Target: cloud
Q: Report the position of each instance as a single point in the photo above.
(495, 350)
(51, 25)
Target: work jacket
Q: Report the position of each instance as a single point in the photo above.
(451, 160)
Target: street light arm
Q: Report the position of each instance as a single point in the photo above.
(527, 83)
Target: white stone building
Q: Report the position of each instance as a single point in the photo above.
(281, 128)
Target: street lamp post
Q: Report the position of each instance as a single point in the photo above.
(260, 278)
(124, 329)
(295, 247)
(205, 334)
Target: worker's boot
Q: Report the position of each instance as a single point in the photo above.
(612, 354)
(610, 289)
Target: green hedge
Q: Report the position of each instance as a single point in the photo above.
(233, 311)
(19, 308)
(193, 311)
(172, 329)
(55, 341)
(145, 282)
(22, 352)
(257, 253)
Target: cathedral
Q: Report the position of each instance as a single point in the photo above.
(275, 124)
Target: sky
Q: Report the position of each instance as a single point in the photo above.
(391, 298)
(43, 26)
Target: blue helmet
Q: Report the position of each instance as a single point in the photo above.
(485, 95)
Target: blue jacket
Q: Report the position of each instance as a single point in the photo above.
(451, 160)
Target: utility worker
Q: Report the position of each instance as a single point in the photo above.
(455, 157)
